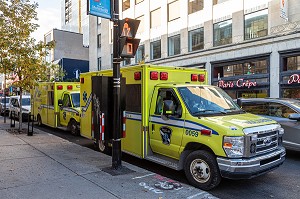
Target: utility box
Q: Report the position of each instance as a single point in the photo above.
(103, 107)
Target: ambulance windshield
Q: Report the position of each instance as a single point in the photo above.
(76, 99)
(207, 100)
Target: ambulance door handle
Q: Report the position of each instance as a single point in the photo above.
(153, 128)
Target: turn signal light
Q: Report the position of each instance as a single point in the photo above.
(163, 76)
(82, 80)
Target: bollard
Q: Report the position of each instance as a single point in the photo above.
(12, 119)
(30, 121)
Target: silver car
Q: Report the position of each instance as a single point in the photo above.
(284, 111)
(4, 105)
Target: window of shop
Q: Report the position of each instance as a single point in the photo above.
(155, 18)
(195, 5)
(248, 78)
(155, 49)
(218, 1)
(291, 63)
(223, 33)
(174, 45)
(140, 54)
(196, 39)
(173, 10)
(256, 24)
(126, 5)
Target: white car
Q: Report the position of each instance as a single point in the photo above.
(14, 106)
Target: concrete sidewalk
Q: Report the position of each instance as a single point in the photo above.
(46, 166)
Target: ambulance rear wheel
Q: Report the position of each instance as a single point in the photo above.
(73, 127)
(201, 170)
(39, 120)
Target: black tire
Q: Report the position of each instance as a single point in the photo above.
(39, 120)
(73, 127)
(201, 170)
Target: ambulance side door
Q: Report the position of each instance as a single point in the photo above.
(165, 133)
(63, 113)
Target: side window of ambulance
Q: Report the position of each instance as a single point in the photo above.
(66, 101)
(164, 94)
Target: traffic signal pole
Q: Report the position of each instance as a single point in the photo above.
(116, 141)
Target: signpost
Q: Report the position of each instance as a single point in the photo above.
(124, 46)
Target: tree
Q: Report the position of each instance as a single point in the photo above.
(20, 54)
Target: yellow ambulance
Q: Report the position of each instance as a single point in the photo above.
(175, 119)
(57, 104)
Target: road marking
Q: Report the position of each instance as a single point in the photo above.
(193, 196)
(139, 177)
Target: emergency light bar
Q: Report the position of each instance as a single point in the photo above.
(137, 76)
(201, 78)
(82, 80)
(59, 87)
(163, 76)
(69, 87)
(194, 77)
(154, 75)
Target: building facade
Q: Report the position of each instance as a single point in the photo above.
(251, 48)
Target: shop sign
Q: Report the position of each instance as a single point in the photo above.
(295, 78)
(241, 83)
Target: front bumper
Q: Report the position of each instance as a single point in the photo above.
(246, 168)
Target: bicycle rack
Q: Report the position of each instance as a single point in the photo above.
(13, 119)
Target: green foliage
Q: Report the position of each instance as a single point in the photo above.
(20, 54)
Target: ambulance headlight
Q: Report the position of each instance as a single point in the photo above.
(233, 146)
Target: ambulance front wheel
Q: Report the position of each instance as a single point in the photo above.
(73, 127)
(201, 170)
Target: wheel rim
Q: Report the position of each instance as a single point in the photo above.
(73, 128)
(101, 145)
(200, 170)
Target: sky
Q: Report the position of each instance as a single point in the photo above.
(49, 17)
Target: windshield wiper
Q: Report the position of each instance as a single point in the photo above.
(208, 110)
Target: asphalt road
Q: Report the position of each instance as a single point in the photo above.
(283, 182)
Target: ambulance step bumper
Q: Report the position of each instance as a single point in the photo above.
(163, 160)
(246, 168)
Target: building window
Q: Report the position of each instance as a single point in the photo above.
(223, 33)
(99, 41)
(155, 49)
(138, 1)
(173, 10)
(195, 5)
(256, 24)
(155, 19)
(291, 63)
(140, 54)
(99, 64)
(68, 11)
(174, 45)
(218, 1)
(141, 26)
(196, 39)
(126, 5)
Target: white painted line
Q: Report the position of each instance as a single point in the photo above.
(143, 176)
(193, 196)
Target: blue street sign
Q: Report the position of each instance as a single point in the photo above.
(100, 8)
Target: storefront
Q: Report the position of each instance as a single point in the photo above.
(290, 73)
(244, 77)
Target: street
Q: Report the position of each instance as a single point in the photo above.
(283, 182)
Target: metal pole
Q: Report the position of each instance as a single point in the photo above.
(4, 92)
(116, 141)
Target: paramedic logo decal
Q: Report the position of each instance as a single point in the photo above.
(165, 133)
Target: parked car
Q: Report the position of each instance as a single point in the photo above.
(4, 105)
(284, 111)
(14, 106)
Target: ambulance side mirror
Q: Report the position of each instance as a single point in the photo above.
(60, 102)
(168, 109)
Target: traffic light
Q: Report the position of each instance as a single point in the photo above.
(128, 44)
